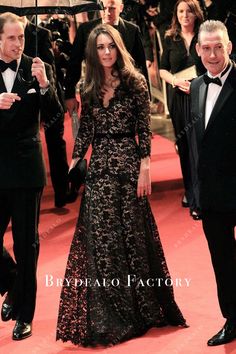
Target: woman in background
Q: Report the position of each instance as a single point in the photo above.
(179, 53)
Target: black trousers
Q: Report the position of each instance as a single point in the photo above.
(21, 207)
(56, 146)
(7, 273)
(219, 231)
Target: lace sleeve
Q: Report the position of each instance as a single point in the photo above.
(85, 134)
(143, 119)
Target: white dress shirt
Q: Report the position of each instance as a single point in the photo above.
(213, 93)
(9, 77)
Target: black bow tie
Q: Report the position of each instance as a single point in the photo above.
(12, 65)
(210, 80)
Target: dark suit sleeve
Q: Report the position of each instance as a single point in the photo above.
(45, 48)
(137, 50)
(138, 54)
(45, 51)
(75, 63)
(147, 43)
(50, 107)
(165, 57)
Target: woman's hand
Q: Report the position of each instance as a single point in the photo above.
(183, 85)
(144, 179)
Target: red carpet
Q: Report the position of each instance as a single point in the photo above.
(186, 252)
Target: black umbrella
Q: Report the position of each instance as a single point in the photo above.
(32, 7)
(36, 7)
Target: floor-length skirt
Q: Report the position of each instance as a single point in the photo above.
(117, 283)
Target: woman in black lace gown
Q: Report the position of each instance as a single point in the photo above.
(117, 283)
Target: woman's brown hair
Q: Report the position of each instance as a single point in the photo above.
(94, 73)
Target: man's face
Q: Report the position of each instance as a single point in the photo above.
(214, 50)
(12, 41)
(112, 10)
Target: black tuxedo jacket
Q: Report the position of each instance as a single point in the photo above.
(214, 149)
(21, 161)
(132, 40)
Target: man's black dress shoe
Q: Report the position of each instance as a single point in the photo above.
(225, 335)
(59, 201)
(195, 215)
(6, 312)
(72, 194)
(21, 330)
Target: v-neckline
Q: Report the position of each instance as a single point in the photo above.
(111, 99)
(187, 47)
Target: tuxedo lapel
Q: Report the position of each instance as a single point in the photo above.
(200, 121)
(2, 84)
(23, 80)
(124, 33)
(17, 86)
(121, 27)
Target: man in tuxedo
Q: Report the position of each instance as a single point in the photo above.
(134, 12)
(132, 40)
(26, 89)
(213, 137)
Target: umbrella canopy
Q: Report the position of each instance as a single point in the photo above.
(30, 7)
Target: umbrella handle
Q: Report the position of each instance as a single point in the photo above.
(36, 29)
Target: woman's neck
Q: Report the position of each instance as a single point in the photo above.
(108, 73)
(187, 31)
(111, 78)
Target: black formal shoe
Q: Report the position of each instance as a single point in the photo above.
(6, 311)
(225, 335)
(21, 330)
(72, 194)
(59, 201)
(195, 215)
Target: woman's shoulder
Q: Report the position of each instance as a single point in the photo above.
(170, 40)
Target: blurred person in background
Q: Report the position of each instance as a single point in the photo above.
(130, 34)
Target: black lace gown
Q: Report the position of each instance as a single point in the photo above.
(114, 287)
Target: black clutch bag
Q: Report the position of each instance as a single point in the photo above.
(78, 173)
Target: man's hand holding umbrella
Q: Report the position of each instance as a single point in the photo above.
(38, 71)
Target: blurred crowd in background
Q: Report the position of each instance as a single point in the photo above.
(153, 18)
